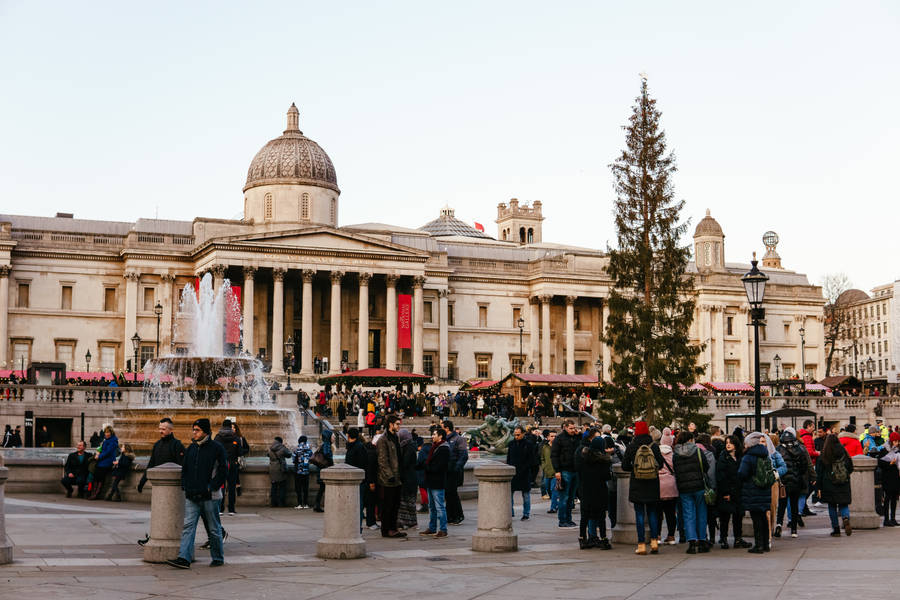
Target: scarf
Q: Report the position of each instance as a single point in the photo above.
(431, 451)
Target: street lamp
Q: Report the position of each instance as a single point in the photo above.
(531, 368)
(870, 367)
(520, 323)
(87, 360)
(755, 285)
(158, 311)
(136, 344)
(289, 351)
(802, 361)
(777, 362)
(599, 365)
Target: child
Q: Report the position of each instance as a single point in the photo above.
(121, 468)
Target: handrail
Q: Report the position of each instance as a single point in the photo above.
(323, 424)
(579, 412)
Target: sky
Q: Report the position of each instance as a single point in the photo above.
(782, 116)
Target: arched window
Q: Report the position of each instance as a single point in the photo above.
(334, 211)
(530, 235)
(718, 254)
(304, 206)
(268, 207)
(708, 254)
(522, 235)
(504, 235)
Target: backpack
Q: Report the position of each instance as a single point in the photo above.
(839, 473)
(764, 476)
(645, 464)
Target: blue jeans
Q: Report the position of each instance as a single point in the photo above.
(566, 497)
(550, 485)
(437, 510)
(693, 507)
(801, 508)
(833, 513)
(652, 516)
(526, 503)
(192, 510)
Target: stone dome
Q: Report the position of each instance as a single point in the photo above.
(852, 295)
(708, 226)
(292, 158)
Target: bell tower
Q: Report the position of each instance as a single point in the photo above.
(519, 224)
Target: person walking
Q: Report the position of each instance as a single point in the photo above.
(202, 477)
(436, 471)
(643, 461)
(459, 455)
(105, 459)
(300, 457)
(592, 463)
(278, 472)
(409, 488)
(758, 474)
(388, 448)
(562, 455)
(890, 479)
(691, 466)
(521, 454)
(728, 496)
(833, 473)
(795, 480)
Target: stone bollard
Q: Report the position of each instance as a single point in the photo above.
(625, 531)
(5, 546)
(494, 532)
(862, 486)
(166, 513)
(341, 538)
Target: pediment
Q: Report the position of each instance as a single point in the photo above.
(322, 238)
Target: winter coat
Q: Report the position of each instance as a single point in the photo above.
(436, 470)
(231, 443)
(593, 467)
(834, 493)
(546, 462)
(874, 446)
(123, 466)
(808, 442)
(728, 483)
(204, 469)
(753, 497)
(107, 453)
(388, 448)
(890, 475)
(421, 457)
(520, 454)
(77, 467)
(356, 455)
(710, 457)
(668, 486)
(562, 452)
(459, 453)
(410, 483)
(850, 443)
(796, 460)
(301, 455)
(643, 491)
(690, 465)
(277, 466)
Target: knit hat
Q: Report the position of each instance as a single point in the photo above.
(598, 443)
(302, 439)
(667, 439)
(641, 428)
(655, 434)
(791, 431)
(874, 430)
(204, 425)
(894, 437)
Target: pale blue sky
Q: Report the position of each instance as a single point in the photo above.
(782, 115)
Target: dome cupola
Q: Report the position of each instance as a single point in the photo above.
(709, 245)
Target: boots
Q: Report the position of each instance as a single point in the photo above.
(692, 548)
(641, 549)
(583, 543)
(742, 543)
(654, 546)
(847, 528)
(723, 544)
(703, 546)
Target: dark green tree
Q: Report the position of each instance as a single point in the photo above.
(652, 303)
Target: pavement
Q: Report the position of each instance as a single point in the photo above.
(69, 548)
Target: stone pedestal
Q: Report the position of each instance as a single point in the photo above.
(341, 538)
(166, 513)
(495, 532)
(862, 485)
(5, 546)
(625, 531)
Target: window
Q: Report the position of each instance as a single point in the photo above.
(516, 363)
(334, 212)
(428, 364)
(530, 236)
(787, 331)
(451, 318)
(788, 370)
(811, 372)
(23, 296)
(885, 346)
(576, 319)
(482, 316)
(304, 206)
(877, 310)
(21, 353)
(66, 303)
(764, 371)
(482, 366)
(878, 327)
(762, 332)
(107, 359)
(729, 326)
(517, 314)
(147, 352)
(268, 207)
(149, 299)
(428, 314)
(65, 352)
(731, 371)
(109, 299)
(451, 366)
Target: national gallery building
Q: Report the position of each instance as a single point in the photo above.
(479, 306)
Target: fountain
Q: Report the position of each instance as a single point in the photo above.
(211, 380)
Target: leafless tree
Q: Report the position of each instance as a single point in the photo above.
(837, 315)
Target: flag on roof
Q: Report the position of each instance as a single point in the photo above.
(479, 226)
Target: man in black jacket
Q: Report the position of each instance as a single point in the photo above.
(75, 473)
(232, 445)
(520, 454)
(357, 456)
(167, 449)
(562, 455)
(202, 476)
(459, 455)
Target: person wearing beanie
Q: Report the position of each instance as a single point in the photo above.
(300, 458)
(873, 444)
(668, 488)
(643, 461)
(795, 480)
(890, 479)
(202, 477)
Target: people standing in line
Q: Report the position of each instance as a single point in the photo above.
(105, 459)
(121, 469)
(890, 479)
(300, 458)
(75, 471)
(388, 448)
(833, 473)
(758, 474)
(278, 472)
(202, 477)
(409, 488)
(459, 455)
(795, 480)
(548, 486)
(643, 461)
(668, 488)
(436, 470)
(520, 454)
(691, 466)
(232, 445)
(328, 455)
(728, 493)
(562, 455)
(592, 463)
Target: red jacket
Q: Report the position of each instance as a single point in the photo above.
(851, 443)
(807, 439)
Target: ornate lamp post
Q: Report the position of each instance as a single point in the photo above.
(870, 368)
(802, 361)
(777, 362)
(87, 360)
(531, 368)
(289, 352)
(599, 366)
(520, 323)
(158, 311)
(136, 345)
(755, 285)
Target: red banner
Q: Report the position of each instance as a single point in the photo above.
(233, 316)
(404, 321)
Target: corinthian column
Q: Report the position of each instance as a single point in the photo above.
(249, 274)
(171, 307)
(443, 334)
(418, 324)
(534, 334)
(278, 321)
(306, 345)
(545, 339)
(218, 272)
(334, 356)
(570, 335)
(4, 313)
(363, 342)
(390, 351)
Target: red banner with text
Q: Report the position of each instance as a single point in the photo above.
(233, 316)
(404, 321)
